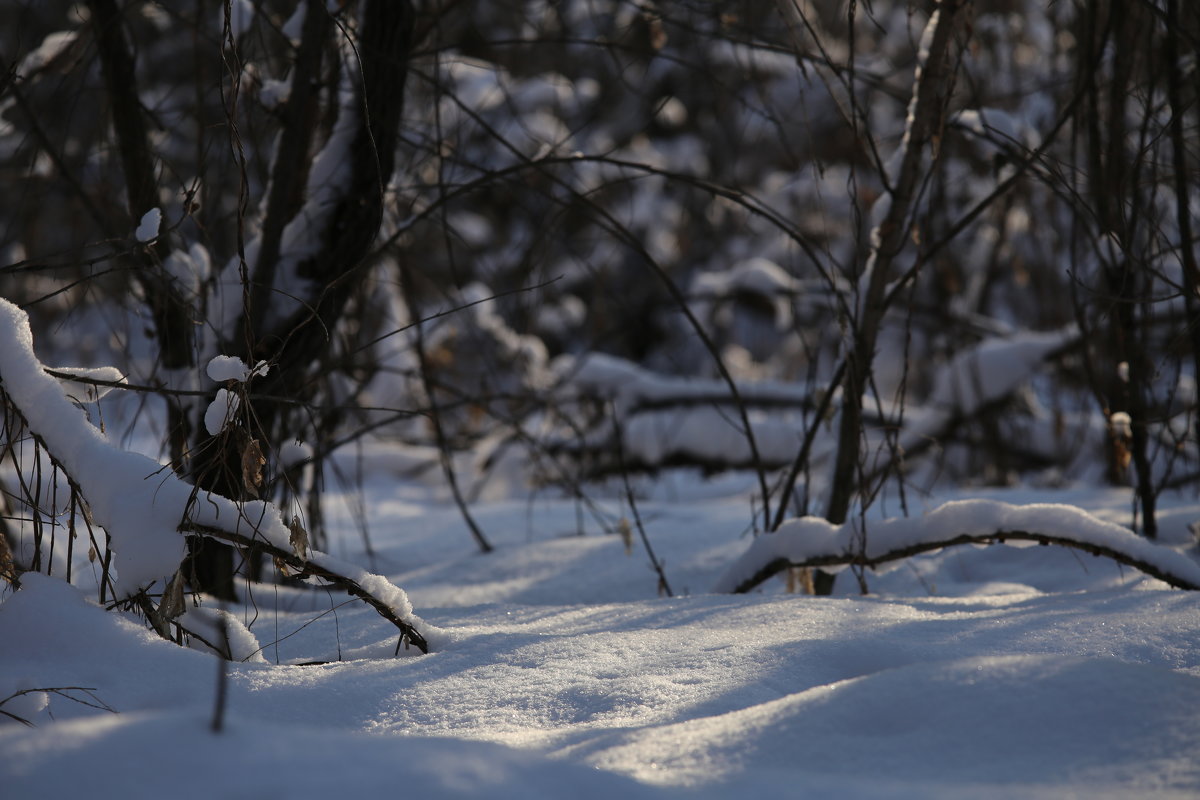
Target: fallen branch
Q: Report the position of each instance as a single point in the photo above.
(60, 691)
(813, 542)
(310, 567)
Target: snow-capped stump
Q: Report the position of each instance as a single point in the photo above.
(815, 542)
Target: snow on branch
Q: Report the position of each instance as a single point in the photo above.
(668, 420)
(144, 507)
(633, 388)
(994, 368)
(380, 594)
(976, 377)
(663, 420)
(814, 542)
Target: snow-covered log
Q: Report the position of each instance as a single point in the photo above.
(814, 542)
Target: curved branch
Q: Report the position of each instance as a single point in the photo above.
(999, 537)
(814, 542)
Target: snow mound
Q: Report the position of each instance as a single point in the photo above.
(252, 759)
(1025, 722)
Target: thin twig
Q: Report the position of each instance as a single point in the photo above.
(663, 585)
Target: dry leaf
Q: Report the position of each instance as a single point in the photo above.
(442, 356)
(253, 462)
(1121, 454)
(800, 581)
(8, 570)
(298, 538)
(172, 605)
(658, 34)
(626, 535)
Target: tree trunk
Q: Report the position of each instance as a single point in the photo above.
(296, 345)
(934, 83)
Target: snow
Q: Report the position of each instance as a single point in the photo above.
(221, 412)
(630, 386)
(147, 229)
(134, 498)
(232, 368)
(755, 276)
(85, 390)
(273, 94)
(190, 267)
(996, 125)
(1122, 424)
(241, 17)
(556, 670)
(293, 453)
(140, 503)
(972, 667)
(53, 46)
(993, 368)
(707, 434)
(971, 722)
(800, 540)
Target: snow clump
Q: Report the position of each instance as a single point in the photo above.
(147, 229)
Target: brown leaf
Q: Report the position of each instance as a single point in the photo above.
(298, 538)
(8, 569)
(626, 535)
(800, 581)
(253, 462)
(1121, 454)
(658, 35)
(172, 605)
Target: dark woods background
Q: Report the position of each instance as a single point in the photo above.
(719, 192)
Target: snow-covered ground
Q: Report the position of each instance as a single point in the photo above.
(559, 671)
